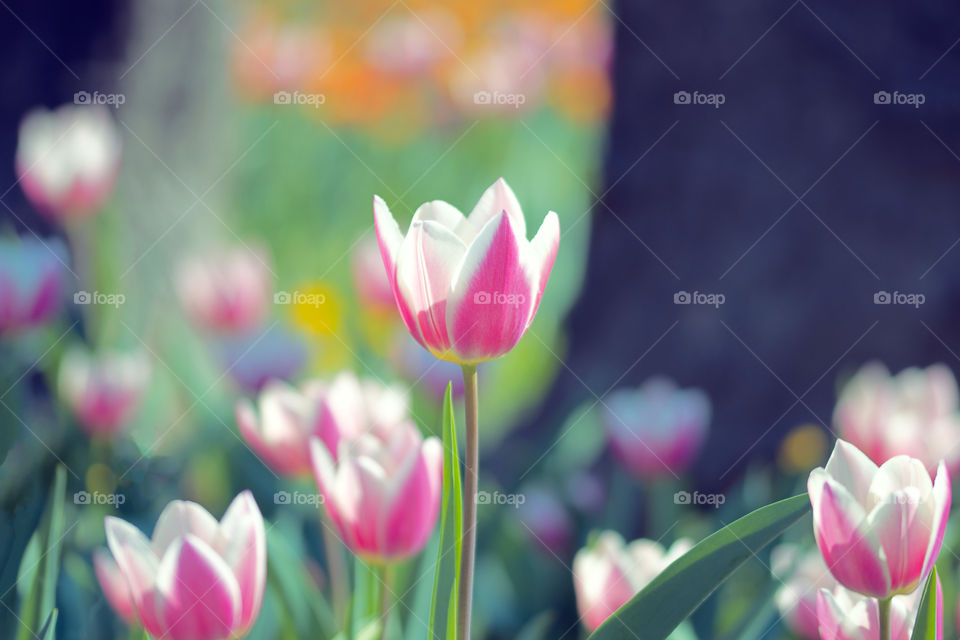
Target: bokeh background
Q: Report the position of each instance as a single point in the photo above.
(798, 199)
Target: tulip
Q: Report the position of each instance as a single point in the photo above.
(372, 285)
(608, 573)
(845, 615)
(879, 529)
(657, 429)
(196, 579)
(114, 586)
(103, 390)
(467, 287)
(914, 413)
(67, 160)
(288, 418)
(802, 574)
(381, 490)
(226, 291)
(545, 520)
(31, 282)
(411, 44)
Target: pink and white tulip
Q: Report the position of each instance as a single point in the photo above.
(67, 160)
(608, 573)
(381, 490)
(31, 282)
(657, 429)
(196, 579)
(226, 291)
(879, 529)
(802, 574)
(103, 390)
(467, 287)
(914, 413)
(280, 428)
(845, 615)
(114, 586)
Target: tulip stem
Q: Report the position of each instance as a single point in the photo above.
(884, 608)
(336, 571)
(470, 481)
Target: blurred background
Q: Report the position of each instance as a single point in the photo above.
(754, 201)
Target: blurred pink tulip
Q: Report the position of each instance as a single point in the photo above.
(31, 282)
(914, 413)
(608, 573)
(280, 431)
(879, 529)
(845, 615)
(802, 574)
(412, 43)
(372, 285)
(67, 160)
(114, 586)
(226, 291)
(468, 287)
(197, 579)
(103, 390)
(657, 429)
(382, 490)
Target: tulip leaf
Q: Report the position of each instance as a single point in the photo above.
(48, 631)
(673, 595)
(928, 622)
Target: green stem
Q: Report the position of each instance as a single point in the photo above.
(386, 590)
(884, 607)
(470, 482)
(336, 571)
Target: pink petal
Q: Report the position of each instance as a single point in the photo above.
(941, 504)
(114, 585)
(847, 621)
(197, 594)
(139, 565)
(851, 469)
(498, 198)
(493, 294)
(243, 545)
(541, 255)
(179, 518)
(390, 240)
(325, 473)
(411, 513)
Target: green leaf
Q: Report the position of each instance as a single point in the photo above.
(49, 627)
(928, 615)
(673, 595)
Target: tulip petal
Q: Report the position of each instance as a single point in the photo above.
(179, 518)
(243, 545)
(390, 240)
(941, 503)
(139, 565)
(325, 473)
(492, 294)
(438, 211)
(851, 468)
(847, 620)
(114, 585)
(497, 199)
(541, 255)
(411, 511)
(198, 597)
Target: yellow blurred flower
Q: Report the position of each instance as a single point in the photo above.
(804, 448)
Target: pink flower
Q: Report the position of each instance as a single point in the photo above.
(226, 291)
(288, 418)
(608, 573)
(67, 160)
(468, 287)
(114, 586)
(914, 413)
(196, 579)
(31, 282)
(382, 490)
(879, 529)
(845, 615)
(103, 390)
(657, 429)
(802, 574)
